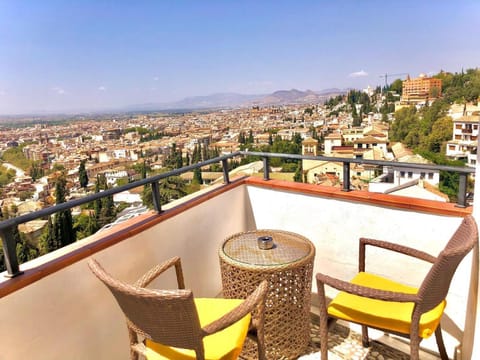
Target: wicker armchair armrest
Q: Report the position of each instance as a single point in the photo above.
(392, 247)
(157, 270)
(255, 299)
(364, 291)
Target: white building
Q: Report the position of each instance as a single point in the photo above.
(332, 140)
(464, 142)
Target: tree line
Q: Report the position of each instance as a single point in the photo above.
(427, 130)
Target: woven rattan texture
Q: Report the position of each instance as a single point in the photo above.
(288, 248)
(287, 309)
(170, 317)
(433, 289)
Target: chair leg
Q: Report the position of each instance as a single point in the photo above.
(323, 323)
(262, 354)
(440, 343)
(414, 347)
(365, 340)
(323, 340)
(132, 335)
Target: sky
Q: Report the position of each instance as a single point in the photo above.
(87, 55)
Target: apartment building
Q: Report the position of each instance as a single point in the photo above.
(464, 140)
(420, 89)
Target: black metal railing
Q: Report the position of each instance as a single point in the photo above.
(7, 226)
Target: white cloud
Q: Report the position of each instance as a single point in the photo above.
(155, 78)
(102, 88)
(360, 73)
(58, 90)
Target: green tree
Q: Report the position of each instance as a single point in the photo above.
(6, 175)
(48, 242)
(25, 251)
(58, 167)
(441, 132)
(174, 159)
(85, 225)
(63, 223)
(250, 139)
(15, 156)
(298, 176)
(147, 198)
(104, 208)
(36, 170)
(196, 156)
(241, 138)
(24, 195)
(406, 124)
(197, 176)
(397, 86)
(82, 174)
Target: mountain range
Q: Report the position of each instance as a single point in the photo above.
(233, 100)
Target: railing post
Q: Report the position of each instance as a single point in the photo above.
(346, 176)
(157, 205)
(462, 191)
(10, 252)
(266, 170)
(226, 179)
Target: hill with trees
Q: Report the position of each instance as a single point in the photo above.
(427, 129)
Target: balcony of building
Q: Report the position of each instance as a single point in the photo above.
(57, 309)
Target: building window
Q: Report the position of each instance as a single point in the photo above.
(410, 174)
(402, 174)
(430, 176)
(422, 175)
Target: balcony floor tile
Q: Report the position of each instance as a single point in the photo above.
(345, 344)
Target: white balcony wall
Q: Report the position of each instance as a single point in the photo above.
(335, 226)
(71, 315)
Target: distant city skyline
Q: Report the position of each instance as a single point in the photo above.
(59, 56)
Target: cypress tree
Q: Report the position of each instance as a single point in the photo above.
(297, 177)
(250, 137)
(105, 208)
(63, 232)
(197, 176)
(82, 175)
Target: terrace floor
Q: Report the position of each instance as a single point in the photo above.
(345, 344)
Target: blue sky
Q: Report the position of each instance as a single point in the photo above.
(89, 55)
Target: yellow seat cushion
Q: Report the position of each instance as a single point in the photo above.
(223, 345)
(394, 316)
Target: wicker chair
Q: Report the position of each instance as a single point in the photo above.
(171, 324)
(377, 302)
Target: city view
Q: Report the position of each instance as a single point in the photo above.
(336, 101)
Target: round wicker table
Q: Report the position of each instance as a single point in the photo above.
(288, 268)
